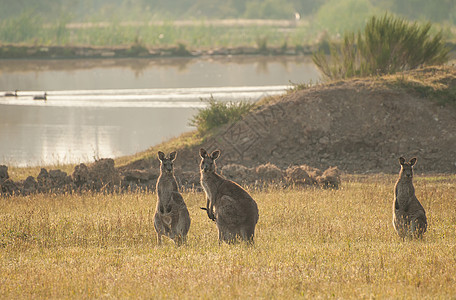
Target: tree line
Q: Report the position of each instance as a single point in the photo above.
(97, 10)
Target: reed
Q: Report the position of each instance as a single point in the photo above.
(31, 30)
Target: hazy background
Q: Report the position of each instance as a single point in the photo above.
(331, 15)
(90, 10)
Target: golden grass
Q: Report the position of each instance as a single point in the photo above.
(310, 243)
(185, 140)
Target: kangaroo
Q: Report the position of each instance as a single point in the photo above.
(409, 217)
(171, 215)
(236, 213)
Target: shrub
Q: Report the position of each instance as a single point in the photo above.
(218, 113)
(387, 45)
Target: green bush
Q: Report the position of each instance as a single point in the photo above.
(218, 113)
(387, 45)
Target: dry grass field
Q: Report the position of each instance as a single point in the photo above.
(310, 243)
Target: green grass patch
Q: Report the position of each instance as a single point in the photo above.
(435, 83)
(32, 30)
(218, 113)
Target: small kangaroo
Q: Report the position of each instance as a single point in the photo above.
(236, 213)
(171, 215)
(409, 217)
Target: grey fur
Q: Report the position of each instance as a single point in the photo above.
(409, 217)
(171, 214)
(236, 213)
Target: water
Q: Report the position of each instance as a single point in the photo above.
(110, 108)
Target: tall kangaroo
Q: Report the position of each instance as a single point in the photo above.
(171, 215)
(409, 217)
(236, 213)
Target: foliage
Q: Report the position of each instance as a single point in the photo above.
(181, 50)
(339, 16)
(196, 35)
(310, 243)
(262, 44)
(146, 10)
(443, 10)
(218, 113)
(269, 9)
(387, 45)
(137, 10)
(24, 27)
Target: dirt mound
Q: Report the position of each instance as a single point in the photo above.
(270, 174)
(238, 173)
(98, 176)
(360, 126)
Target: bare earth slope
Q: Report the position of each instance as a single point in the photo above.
(361, 126)
(358, 126)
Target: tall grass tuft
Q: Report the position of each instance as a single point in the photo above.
(387, 45)
(218, 113)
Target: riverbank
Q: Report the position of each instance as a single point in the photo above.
(360, 126)
(13, 51)
(140, 51)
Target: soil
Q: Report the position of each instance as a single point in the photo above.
(360, 126)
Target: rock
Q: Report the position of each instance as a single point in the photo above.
(141, 175)
(9, 188)
(269, 173)
(3, 173)
(312, 172)
(81, 176)
(59, 178)
(189, 180)
(297, 175)
(103, 176)
(239, 173)
(55, 181)
(29, 186)
(330, 178)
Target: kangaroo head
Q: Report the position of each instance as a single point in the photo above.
(208, 161)
(166, 164)
(407, 167)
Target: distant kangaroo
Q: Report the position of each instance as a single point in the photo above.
(171, 215)
(236, 213)
(409, 217)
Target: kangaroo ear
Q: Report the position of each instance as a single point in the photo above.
(413, 161)
(401, 160)
(203, 153)
(172, 155)
(161, 156)
(215, 154)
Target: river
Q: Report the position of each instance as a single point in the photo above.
(115, 107)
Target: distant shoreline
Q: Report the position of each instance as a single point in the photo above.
(10, 51)
(137, 51)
